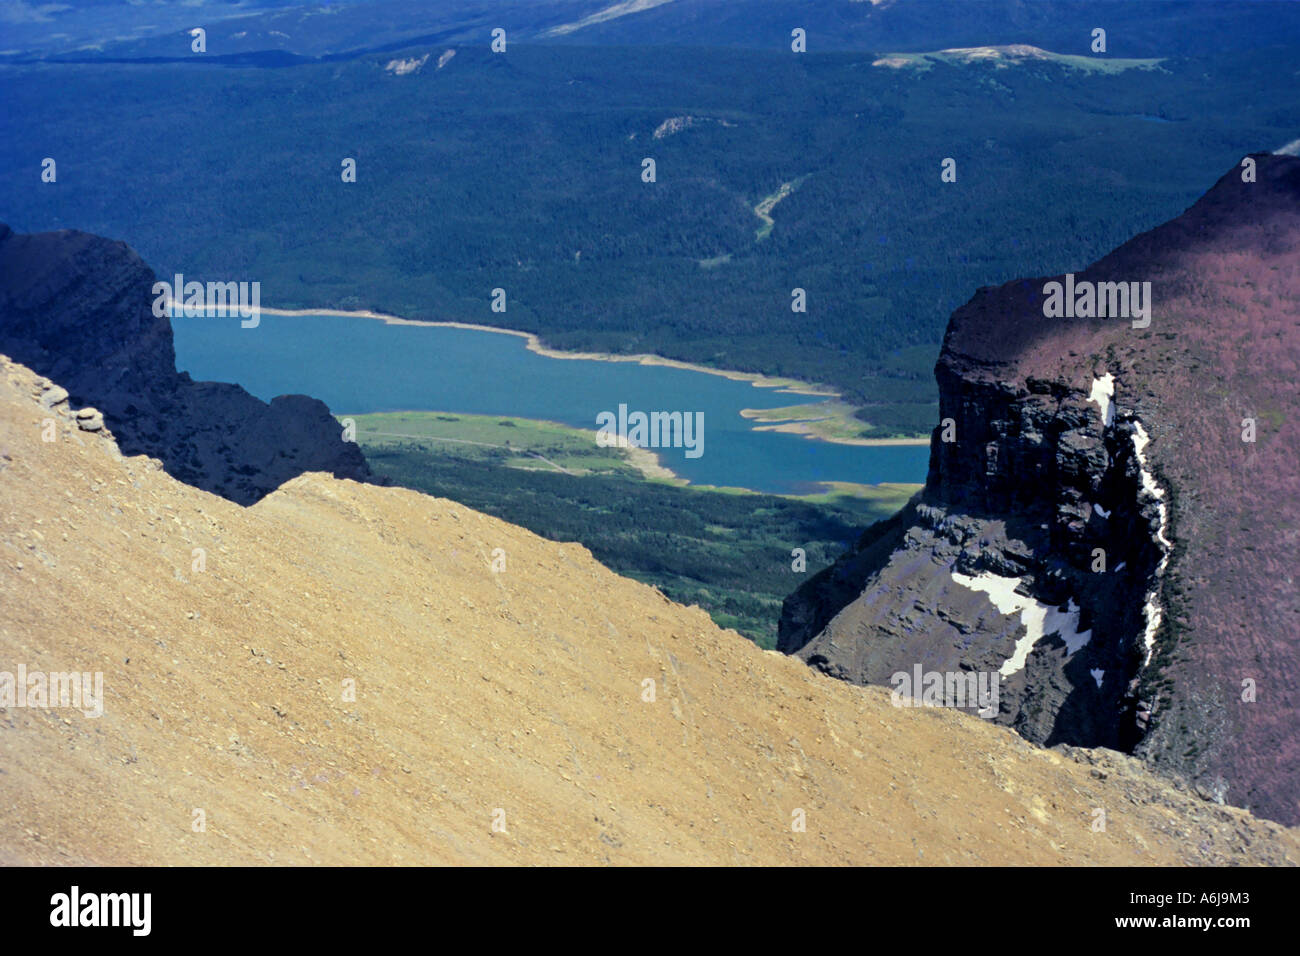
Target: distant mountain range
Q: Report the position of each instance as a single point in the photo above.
(1135, 28)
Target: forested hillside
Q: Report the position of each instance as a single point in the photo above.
(523, 171)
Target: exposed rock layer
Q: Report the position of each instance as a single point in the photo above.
(1142, 508)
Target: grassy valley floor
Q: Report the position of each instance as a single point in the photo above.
(729, 550)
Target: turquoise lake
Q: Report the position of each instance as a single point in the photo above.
(358, 365)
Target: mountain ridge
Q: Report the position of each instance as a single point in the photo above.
(1196, 597)
(592, 719)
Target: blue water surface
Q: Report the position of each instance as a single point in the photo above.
(358, 365)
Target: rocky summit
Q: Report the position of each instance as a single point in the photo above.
(1110, 519)
(78, 308)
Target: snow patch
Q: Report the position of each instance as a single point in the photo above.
(1097, 675)
(1040, 620)
(403, 67)
(1101, 511)
(1103, 390)
(609, 13)
(1152, 610)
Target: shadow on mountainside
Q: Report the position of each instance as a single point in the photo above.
(77, 309)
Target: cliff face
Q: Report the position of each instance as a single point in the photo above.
(1091, 485)
(78, 309)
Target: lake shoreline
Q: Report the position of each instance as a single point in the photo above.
(645, 462)
(808, 429)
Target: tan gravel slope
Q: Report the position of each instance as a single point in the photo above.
(500, 716)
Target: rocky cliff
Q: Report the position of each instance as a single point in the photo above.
(1110, 520)
(78, 309)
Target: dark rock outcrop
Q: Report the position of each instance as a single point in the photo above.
(1157, 546)
(77, 308)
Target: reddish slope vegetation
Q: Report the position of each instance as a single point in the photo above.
(1193, 656)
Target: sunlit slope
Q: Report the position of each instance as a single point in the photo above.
(516, 695)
